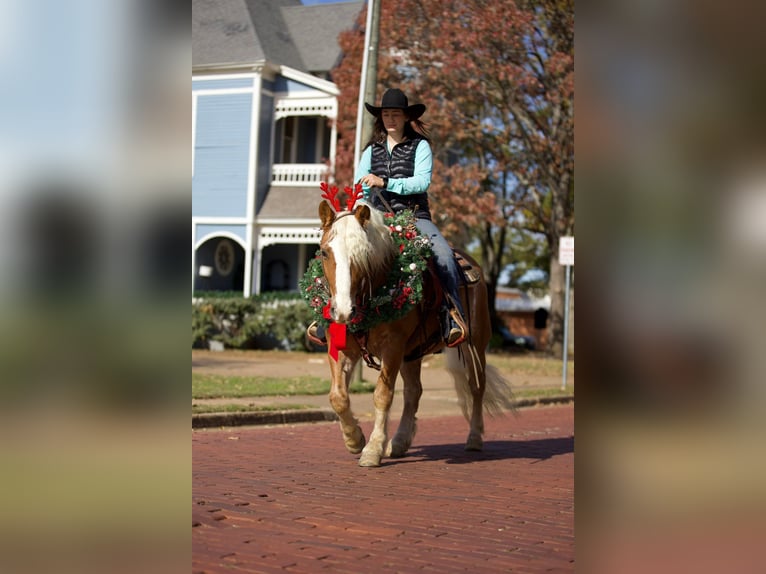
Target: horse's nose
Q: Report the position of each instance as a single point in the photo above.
(341, 317)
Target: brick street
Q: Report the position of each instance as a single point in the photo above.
(291, 499)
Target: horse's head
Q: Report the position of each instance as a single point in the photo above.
(356, 248)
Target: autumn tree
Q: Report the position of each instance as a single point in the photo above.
(498, 79)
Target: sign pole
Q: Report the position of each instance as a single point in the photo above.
(566, 258)
(566, 332)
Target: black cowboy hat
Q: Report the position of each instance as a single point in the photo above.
(395, 99)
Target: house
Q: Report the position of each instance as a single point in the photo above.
(263, 137)
(524, 314)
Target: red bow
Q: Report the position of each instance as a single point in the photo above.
(337, 339)
(337, 334)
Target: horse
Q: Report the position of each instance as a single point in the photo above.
(357, 252)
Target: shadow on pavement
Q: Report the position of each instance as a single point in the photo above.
(538, 449)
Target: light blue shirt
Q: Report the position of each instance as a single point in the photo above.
(418, 183)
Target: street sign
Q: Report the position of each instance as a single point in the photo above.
(566, 250)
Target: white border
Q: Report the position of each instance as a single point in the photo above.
(218, 234)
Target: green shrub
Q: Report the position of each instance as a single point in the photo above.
(203, 327)
(262, 321)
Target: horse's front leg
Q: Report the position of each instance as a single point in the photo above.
(382, 398)
(342, 370)
(413, 389)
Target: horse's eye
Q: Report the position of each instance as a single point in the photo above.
(323, 253)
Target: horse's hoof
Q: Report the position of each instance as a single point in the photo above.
(397, 449)
(356, 443)
(474, 443)
(369, 460)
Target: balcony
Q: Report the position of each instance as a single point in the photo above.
(299, 174)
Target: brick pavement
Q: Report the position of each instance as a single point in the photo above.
(292, 499)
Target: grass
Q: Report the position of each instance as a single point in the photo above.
(210, 386)
(527, 364)
(218, 386)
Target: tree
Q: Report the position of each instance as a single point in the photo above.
(530, 256)
(498, 79)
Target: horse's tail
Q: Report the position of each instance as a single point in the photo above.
(498, 395)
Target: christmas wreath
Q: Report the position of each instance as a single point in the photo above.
(402, 290)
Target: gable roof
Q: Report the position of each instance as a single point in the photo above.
(282, 32)
(315, 30)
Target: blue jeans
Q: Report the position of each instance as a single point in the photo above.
(446, 266)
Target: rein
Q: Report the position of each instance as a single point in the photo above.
(379, 195)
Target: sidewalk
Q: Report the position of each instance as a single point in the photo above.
(439, 397)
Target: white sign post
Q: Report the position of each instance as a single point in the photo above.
(566, 258)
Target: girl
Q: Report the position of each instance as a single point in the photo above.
(395, 173)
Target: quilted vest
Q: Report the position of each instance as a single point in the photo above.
(401, 163)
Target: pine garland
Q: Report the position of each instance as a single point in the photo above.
(402, 290)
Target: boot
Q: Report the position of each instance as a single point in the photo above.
(316, 335)
(457, 329)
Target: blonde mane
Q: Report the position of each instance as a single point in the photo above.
(371, 247)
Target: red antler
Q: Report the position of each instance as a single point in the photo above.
(353, 195)
(331, 195)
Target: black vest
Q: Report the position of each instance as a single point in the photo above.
(401, 163)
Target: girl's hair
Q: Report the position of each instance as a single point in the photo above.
(412, 129)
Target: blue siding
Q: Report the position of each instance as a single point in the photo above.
(265, 124)
(207, 228)
(222, 84)
(222, 147)
(282, 84)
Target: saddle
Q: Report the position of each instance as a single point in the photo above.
(471, 273)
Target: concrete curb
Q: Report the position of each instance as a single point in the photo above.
(246, 418)
(210, 420)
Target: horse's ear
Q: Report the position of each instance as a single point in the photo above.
(362, 214)
(326, 214)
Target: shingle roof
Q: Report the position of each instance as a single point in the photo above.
(315, 30)
(303, 203)
(283, 32)
(222, 33)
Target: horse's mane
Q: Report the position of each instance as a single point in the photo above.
(370, 247)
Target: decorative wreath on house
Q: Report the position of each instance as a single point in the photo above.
(402, 290)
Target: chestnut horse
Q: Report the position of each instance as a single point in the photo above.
(357, 251)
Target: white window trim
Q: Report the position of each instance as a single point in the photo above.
(194, 129)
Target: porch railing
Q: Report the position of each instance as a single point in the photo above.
(299, 173)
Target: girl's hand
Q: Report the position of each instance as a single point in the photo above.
(371, 180)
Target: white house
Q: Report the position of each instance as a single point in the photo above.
(263, 137)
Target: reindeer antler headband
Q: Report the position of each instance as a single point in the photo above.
(331, 195)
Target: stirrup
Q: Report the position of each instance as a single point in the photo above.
(312, 332)
(458, 329)
(456, 337)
